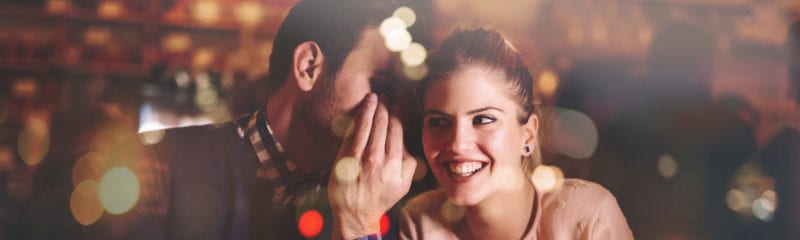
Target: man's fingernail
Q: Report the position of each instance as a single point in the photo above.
(371, 97)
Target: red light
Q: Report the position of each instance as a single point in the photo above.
(310, 223)
(385, 224)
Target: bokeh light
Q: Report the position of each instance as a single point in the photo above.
(151, 137)
(206, 98)
(548, 83)
(347, 169)
(340, 125)
(414, 55)
(88, 167)
(452, 212)
(118, 190)
(547, 178)
(25, 87)
(736, 200)
(206, 11)
(391, 24)
(34, 141)
(421, 171)
(57, 6)
(763, 209)
(667, 166)
(110, 9)
(203, 58)
(771, 198)
(84, 203)
(397, 39)
(406, 14)
(96, 36)
(752, 194)
(176, 42)
(249, 13)
(385, 224)
(310, 223)
(415, 73)
(575, 134)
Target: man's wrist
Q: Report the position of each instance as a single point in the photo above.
(349, 228)
(358, 232)
(374, 236)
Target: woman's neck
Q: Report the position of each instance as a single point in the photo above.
(498, 216)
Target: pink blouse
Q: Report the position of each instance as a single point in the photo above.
(578, 210)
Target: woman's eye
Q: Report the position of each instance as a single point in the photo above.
(481, 120)
(437, 122)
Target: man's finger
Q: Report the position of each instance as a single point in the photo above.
(394, 148)
(394, 140)
(363, 126)
(377, 139)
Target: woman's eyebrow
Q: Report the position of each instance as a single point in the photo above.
(484, 109)
(437, 112)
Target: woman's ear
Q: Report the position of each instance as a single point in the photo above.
(530, 133)
(307, 65)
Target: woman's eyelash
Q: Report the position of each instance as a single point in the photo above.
(482, 119)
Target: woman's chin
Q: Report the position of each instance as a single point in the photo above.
(461, 198)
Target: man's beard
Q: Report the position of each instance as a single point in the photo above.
(319, 111)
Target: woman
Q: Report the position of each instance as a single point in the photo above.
(480, 137)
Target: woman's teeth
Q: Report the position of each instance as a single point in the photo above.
(465, 168)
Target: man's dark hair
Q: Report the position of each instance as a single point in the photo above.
(335, 25)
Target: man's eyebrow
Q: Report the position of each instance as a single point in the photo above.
(485, 109)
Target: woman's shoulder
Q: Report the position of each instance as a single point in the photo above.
(583, 208)
(578, 193)
(426, 217)
(579, 188)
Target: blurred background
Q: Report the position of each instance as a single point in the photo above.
(686, 110)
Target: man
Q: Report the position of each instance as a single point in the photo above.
(256, 176)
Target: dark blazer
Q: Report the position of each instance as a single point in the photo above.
(196, 183)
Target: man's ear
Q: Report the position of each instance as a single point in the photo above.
(307, 65)
(530, 133)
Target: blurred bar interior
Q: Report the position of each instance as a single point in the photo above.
(77, 76)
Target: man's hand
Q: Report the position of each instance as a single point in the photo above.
(371, 172)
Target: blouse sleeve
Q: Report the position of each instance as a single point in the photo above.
(609, 223)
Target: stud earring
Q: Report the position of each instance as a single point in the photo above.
(527, 149)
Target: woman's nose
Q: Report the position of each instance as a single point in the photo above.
(460, 139)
